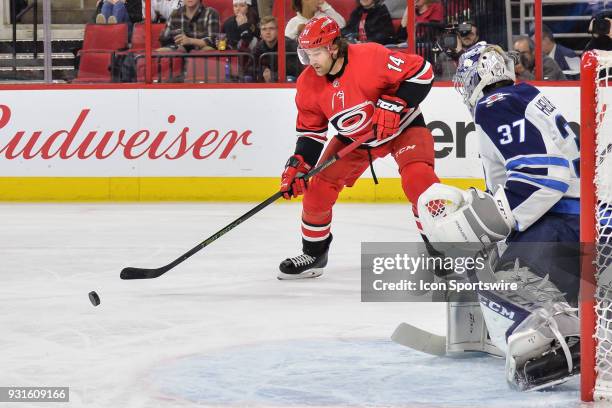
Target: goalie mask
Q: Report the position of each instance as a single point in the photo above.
(480, 66)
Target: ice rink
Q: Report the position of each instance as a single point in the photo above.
(220, 329)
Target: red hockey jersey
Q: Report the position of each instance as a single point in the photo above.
(348, 101)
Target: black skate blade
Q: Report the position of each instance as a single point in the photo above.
(550, 370)
(309, 274)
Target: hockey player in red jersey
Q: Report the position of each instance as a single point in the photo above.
(358, 88)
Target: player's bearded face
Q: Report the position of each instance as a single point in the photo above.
(320, 59)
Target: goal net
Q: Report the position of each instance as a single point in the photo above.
(596, 225)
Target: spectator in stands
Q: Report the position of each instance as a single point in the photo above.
(307, 9)
(264, 8)
(241, 28)
(566, 58)
(468, 38)
(193, 26)
(427, 11)
(119, 11)
(601, 30)
(396, 8)
(525, 67)
(446, 62)
(268, 66)
(369, 22)
(161, 9)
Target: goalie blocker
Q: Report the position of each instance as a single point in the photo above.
(534, 326)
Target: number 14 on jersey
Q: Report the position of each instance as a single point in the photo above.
(395, 64)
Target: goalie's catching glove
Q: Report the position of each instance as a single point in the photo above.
(449, 214)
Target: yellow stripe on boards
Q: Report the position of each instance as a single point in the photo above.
(243, 189)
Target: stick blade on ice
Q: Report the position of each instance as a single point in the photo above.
(130, 273)
(421, 340)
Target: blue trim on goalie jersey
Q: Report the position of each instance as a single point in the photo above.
(548, 183)
(531, 161)
(567, 205)
(517, 192)
(523, 91)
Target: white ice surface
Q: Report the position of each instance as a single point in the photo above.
(220, 329)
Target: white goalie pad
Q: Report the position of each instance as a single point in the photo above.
(466, 330)
(547, 334)
(535, 327)
(449, 214)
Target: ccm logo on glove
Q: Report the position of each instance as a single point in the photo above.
(390, 106)
(386, 118)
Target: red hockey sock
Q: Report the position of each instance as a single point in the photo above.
(317, 206)
(416, 178)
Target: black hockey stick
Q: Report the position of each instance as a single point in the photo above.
(144, 273)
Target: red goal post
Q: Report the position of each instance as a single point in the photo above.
(596, 226)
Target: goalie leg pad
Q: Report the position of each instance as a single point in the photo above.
(544, 350)
(466, 330)
(540, 329)
(501, 316)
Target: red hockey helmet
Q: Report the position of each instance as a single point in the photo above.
(318, 32)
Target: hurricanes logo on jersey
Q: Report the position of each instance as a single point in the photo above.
(353, 120)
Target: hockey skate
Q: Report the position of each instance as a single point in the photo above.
(535, 326)
(549, 369)
(310, 264)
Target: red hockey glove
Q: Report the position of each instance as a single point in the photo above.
(292, 183)
(387, 116)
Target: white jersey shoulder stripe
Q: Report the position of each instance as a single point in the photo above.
(424, 76)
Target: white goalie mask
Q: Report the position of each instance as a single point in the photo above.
(481, 65)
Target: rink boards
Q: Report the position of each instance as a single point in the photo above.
(195, 144)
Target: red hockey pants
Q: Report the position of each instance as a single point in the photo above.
(412, 150)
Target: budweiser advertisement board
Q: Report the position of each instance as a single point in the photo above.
(196, 132)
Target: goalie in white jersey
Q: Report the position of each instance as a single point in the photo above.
(530, 157)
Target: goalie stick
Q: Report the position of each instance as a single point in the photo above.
(411, 336)
(466, 332)
(420, 340)
(130, 273)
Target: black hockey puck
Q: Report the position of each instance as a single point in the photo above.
(94, 298)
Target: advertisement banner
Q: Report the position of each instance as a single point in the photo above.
(197, 132)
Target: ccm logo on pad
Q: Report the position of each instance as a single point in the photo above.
(496, 307)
